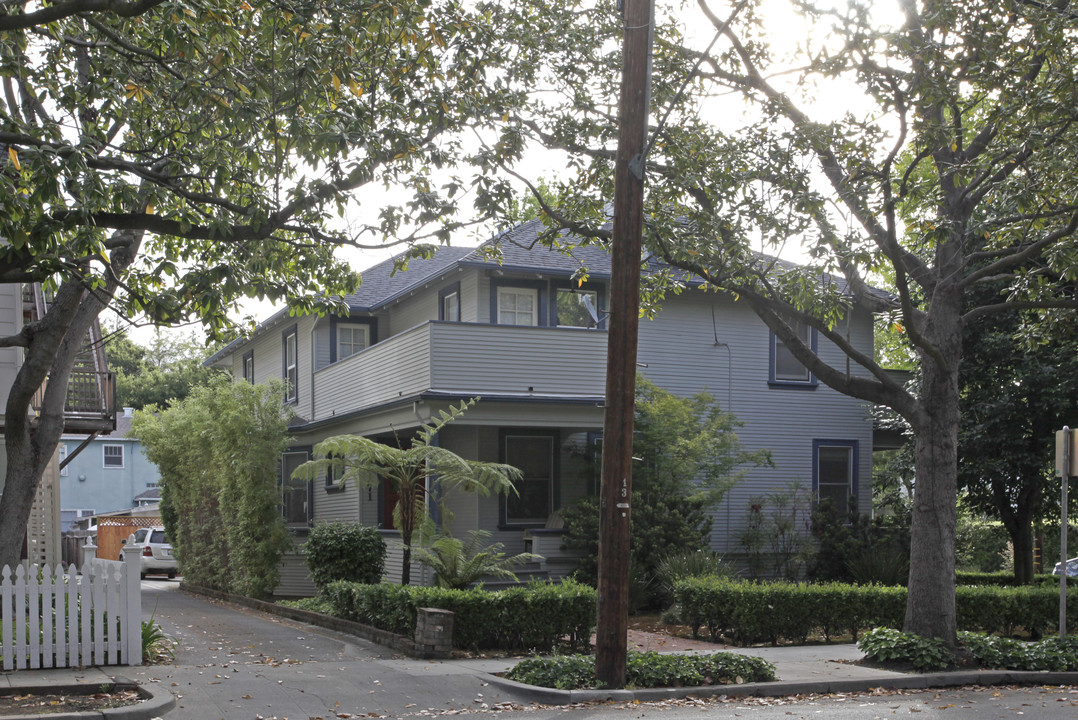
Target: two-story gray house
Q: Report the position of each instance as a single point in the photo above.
(531, 341)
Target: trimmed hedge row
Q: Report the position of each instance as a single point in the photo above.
(537, 617)
(748, 613)
(1006, 579)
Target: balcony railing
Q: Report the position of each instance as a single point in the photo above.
(465, 358)
(90, 404)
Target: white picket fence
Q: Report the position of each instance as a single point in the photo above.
(51, 618)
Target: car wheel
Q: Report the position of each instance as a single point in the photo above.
(142, 576)
(172, 575)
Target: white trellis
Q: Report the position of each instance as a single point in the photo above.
(52, 618)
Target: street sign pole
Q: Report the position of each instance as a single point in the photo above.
(1065, 460)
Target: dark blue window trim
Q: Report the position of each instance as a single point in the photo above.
(809, 384)
(854, 446)
(307, 450)
(541, 300)
(600, 293)
(249, 355)
(334, 321)
(555, 489)
(442, 295)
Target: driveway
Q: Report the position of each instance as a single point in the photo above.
(236, 663)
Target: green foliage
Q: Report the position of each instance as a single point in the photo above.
(676, 566)
(538, 616)
(747, 612)
(219, 453)
(1017, 385)
(344, 551)
(156, 645)
(776, 533)
(316, 604)
(692, 456)
(458, 564)
(1007, 579)
(855, 547)
(358, 459)
(1048, 655)
(162, 373)
(980, 544)
(645, 670)
(887, 645)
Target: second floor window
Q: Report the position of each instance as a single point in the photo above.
(113, 456)
(249, 367)
(291, 369)
(787, 369)
(577, 308)
(518, 306)
(351, 339)
(62, 449)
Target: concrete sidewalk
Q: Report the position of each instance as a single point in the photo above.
(236, 663)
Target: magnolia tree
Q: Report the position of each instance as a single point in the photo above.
(942, 158)
(168, 158)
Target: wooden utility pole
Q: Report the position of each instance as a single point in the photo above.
(616, 490)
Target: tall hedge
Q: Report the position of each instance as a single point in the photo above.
(218, 452)
(345, 551)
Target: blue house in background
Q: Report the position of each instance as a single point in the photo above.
(110, 473)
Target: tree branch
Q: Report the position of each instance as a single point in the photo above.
(59, 11)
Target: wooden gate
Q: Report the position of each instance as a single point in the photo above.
(112, 531)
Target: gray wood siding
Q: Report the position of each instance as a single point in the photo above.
(678, 348)
(295, 578)
(411, 311)
(504, 359)
(469, 297)
(337, 506)
(321, 337)
(400, 366)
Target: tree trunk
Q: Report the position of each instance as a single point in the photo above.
(406, 568)
(1022, 541)
(930, 604)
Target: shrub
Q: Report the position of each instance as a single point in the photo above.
(747, 612)
(685, 564)
(1051, 654)
(345, 551)
(645, 670)
(1007, 579)
(458, 564)
(539, 616)
(888, 645)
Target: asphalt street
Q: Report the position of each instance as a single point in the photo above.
(236, 663)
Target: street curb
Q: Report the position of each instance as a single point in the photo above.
(552, 696)
(154, 705)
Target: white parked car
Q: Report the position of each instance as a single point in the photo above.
(155, 557)
(1072, 568)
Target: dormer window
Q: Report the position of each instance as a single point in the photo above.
(518, 306)
(449, 303)
(577, 308)
(351, 339)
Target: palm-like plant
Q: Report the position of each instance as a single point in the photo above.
(457, 564)
(358, 459)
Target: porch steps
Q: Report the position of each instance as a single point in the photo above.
(526, 573)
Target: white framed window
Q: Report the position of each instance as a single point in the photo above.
(351, 339)
(518, 306)
(451, 307)
(291, 368)
(61, 449)
(113, 456)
